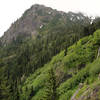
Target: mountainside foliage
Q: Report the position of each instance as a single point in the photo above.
(70, 70)
(50, 64)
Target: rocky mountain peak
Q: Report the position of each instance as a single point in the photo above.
(32, 20)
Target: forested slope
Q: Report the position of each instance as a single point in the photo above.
(59, 79)
(40, 58)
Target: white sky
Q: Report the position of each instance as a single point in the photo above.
(10, 10)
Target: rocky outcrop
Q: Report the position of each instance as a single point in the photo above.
(80, 86)
(88, 94)
(29, 23)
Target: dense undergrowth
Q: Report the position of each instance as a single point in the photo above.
(70, 70)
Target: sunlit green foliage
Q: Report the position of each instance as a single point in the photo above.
(75, 64)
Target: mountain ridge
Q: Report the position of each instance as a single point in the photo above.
(34, 19)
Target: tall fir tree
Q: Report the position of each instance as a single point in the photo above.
(5, 93)
(50, 86)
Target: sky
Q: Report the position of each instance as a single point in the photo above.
(11, 10)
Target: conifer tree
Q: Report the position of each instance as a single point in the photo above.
(50, 86)
(4, 87)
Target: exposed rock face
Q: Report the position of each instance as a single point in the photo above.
(29, 23)
(35, 18)
(88, 94)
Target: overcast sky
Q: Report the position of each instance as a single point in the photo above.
(10, 10)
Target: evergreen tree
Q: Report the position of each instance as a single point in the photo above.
(51, 93)
(31, 93)
(4, 87)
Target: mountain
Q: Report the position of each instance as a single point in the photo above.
(37, 17)
(50, 55)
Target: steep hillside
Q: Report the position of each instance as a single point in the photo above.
(59, 79)
(90, 88)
